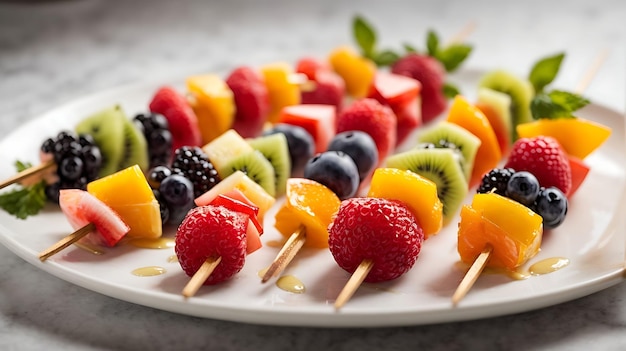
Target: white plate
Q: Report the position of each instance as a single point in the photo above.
(592, 237)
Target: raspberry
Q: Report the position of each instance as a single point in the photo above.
(431, 74)
(370, 116)
(497, 179)
(183, 123)
(382, 230)
(192, 163)
(252, 101)
(543, 157)
(212, 231)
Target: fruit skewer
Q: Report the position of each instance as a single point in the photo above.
(211, 242)
(31, 171)
(378, 237)
(482, 260)
(87, 215)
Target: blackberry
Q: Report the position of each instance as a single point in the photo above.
(78, 161)
(498, 179)
(155, 128)
(192, 163)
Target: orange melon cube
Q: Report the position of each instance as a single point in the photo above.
(513, 230)
(415, 191)
(281, 88)
(128, 193)
(471, 118)
(577, 136)
(355, 70)
(213, 103)
(309, 204)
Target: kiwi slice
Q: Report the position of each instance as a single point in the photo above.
(441, 167)
(107, 129)
(520, 90)
(445, 133)
(276, 150)
(255, 166)
(135, 148)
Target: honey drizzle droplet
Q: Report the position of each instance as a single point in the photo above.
(144, 243)
(548, 265)
(291, 284)
(149, 271)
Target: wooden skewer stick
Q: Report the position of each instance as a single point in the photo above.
(463, 34)
(67, 241)
(201, 276)
(27, 173)
(286, 254)
(481, 261)
(472, 274)
(591, 72)
(354, 282)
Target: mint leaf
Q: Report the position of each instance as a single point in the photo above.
(386, 58)
(544, 71)
(364, 35)
(556, 104)
(20, 166)
(432, 43)
(24, 201)
(571, 101)
(452, 56)
(450, 90)
(409, 48)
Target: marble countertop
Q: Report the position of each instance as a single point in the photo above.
(52, 52)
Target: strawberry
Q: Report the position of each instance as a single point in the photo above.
(212, 231)
(182, 121)
(370, 116)
(329, 89)
(381, 230)
(430, 73)
(402, 95)
(309, 65)
(545, 159)
(251, 100)
(82, 208)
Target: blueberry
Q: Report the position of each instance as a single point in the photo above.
(92, 157)
(336, 170)
(300, 142)
(523, 187)
(358, 145)
(163, 209)
(160, 141)
(71, 168)
(551, 205)
(157, 174)
(177, 191)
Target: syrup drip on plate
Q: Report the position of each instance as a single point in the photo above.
(548, 265)
(149, 271)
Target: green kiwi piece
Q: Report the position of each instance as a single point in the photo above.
(107, 129)
(520, 90)
(255, 166)
(441, 167)
(135, 148)
(276, 150)
(445, 132)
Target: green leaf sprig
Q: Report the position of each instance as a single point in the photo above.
(555, 103)
(24, 201)
(450, 56)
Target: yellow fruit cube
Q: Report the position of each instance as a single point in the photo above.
(128, 193)
(357, 71)
(213, 103)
